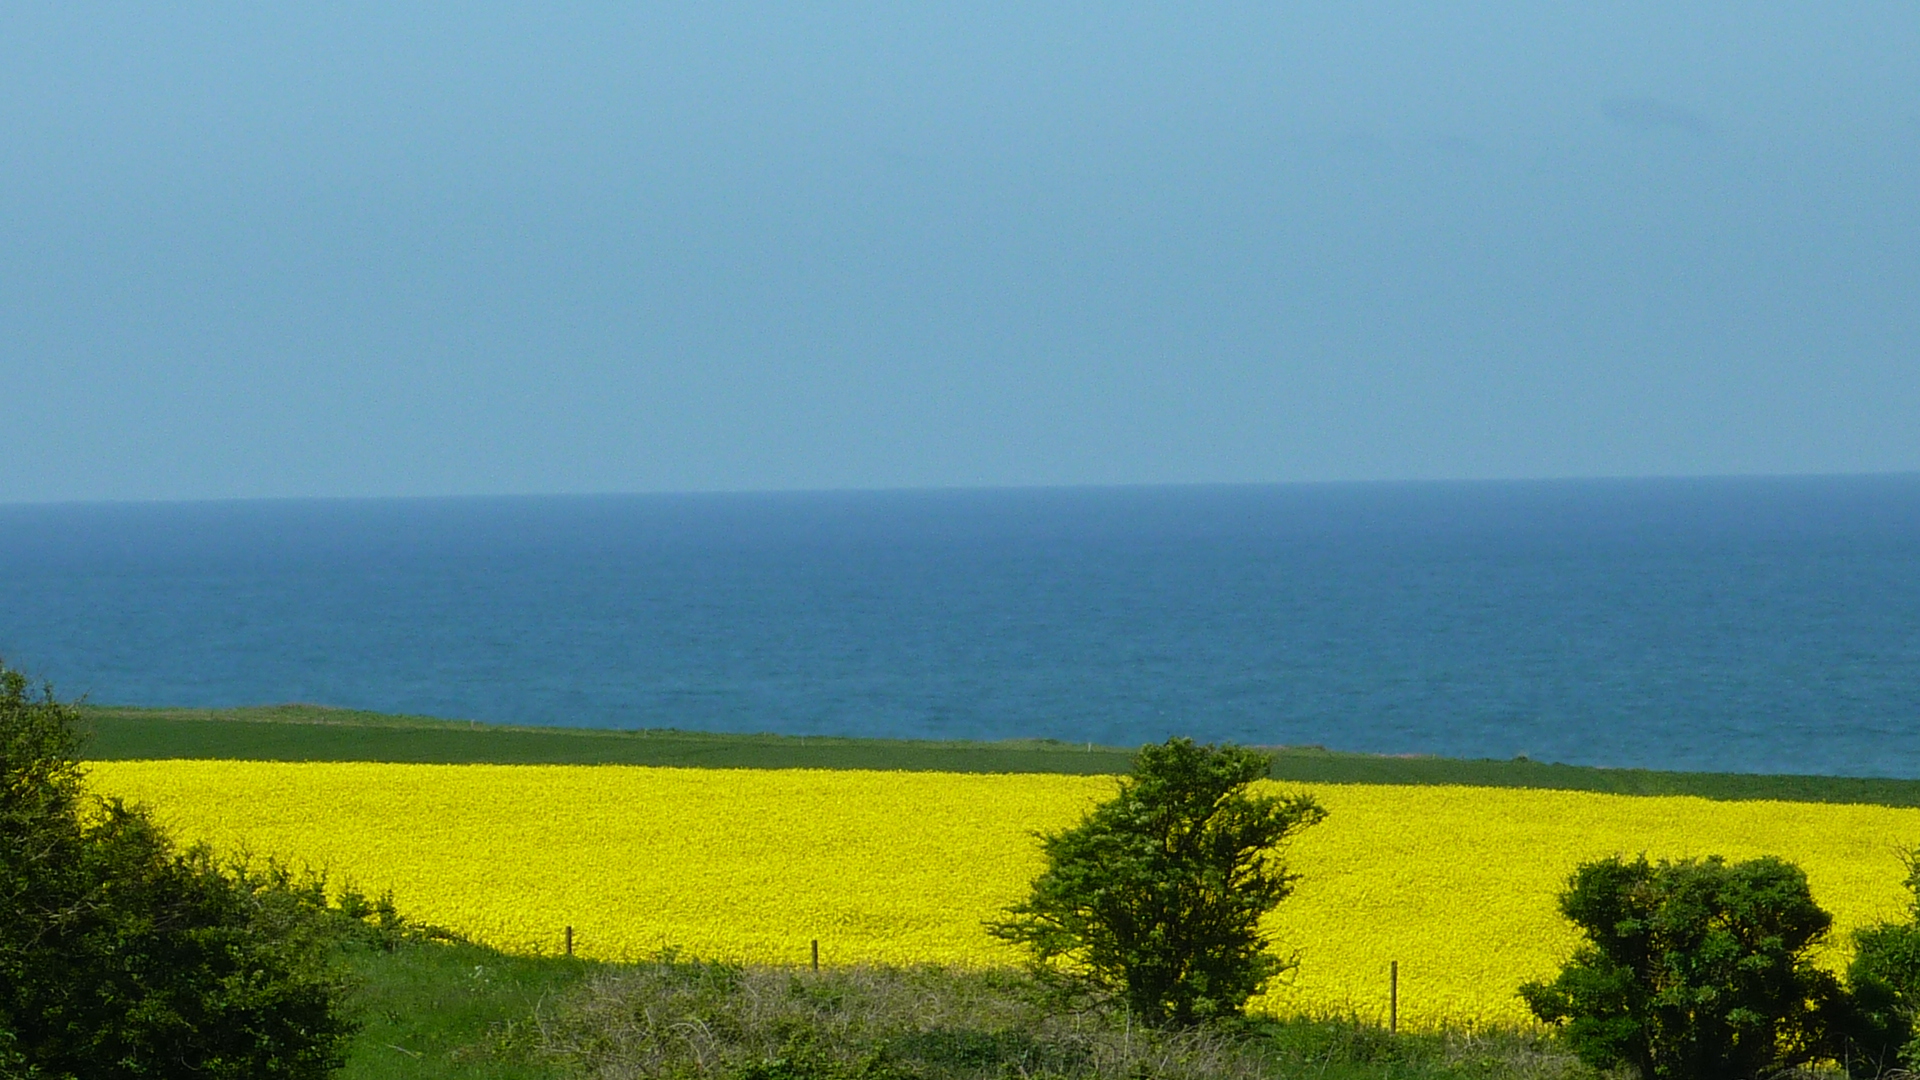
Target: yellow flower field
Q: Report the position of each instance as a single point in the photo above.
(1455, 883)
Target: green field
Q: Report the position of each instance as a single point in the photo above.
(312, 733)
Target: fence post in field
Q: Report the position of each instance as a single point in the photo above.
(816, 954)
(1393, 997)
(569, 941)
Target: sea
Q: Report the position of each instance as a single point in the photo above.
(1733, 624)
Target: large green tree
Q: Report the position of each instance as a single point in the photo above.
(1157, 895)
(122, 956)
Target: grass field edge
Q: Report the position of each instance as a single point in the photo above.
(319, 733)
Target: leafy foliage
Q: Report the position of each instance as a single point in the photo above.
(1157, 895)
(122, 956)
(1878, 1032)
(1694, 970)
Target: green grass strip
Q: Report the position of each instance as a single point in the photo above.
(313, 733)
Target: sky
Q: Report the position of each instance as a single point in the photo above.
(411, 249)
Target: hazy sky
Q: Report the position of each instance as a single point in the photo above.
(331, 249)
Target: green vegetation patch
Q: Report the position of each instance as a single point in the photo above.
(698, 1021)
(314, 733)
(430, 1010)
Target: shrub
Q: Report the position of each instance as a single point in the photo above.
(1156, 896)
(1692, 970)
(1884, 981)
(122, 956)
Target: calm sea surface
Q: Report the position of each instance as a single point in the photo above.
(1769, 625)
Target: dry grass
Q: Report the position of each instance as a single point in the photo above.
(690, 1021)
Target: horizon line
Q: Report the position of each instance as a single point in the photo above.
(1623, 478)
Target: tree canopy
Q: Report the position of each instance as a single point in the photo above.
(1157, 895)
(123, 956)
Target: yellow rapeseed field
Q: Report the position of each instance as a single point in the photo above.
(1455, 883)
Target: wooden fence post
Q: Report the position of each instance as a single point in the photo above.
(816, 954)
(1393, 997)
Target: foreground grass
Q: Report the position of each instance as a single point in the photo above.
(434, 1010)
(312, 733)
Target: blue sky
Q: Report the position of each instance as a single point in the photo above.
(380, 249)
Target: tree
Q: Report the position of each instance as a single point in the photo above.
(1692, 970)
(1157, 895)
(122, 956)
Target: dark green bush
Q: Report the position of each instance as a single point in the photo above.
(1156, 896)
(1884, 980)
(1692, 970)
(122, 956)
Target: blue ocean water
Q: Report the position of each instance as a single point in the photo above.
(1735, 624)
